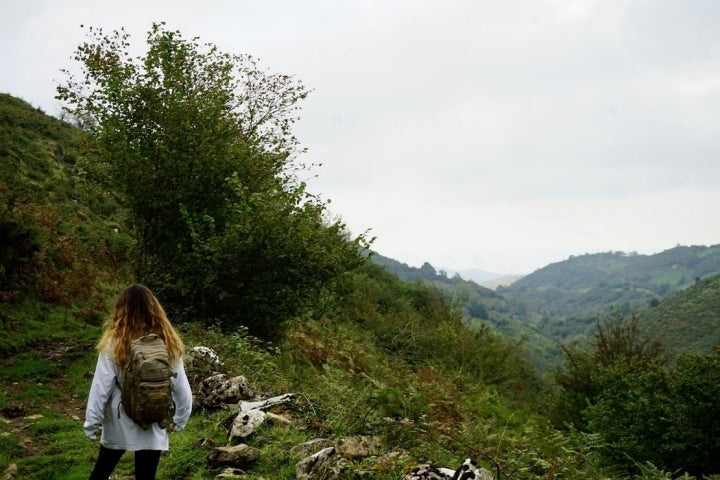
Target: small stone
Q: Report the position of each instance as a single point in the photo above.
(278, 419)
(10, 472)
(244, 425)
(230, 473)
(314, 445)
(311, 466)
(359, 447)
(235, 456)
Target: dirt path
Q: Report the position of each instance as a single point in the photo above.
(21, 412)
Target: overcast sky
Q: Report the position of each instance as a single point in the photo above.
(500, 135)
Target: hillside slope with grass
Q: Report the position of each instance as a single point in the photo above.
(481, 306)
(63, 250)
(63, 238)
(689, 320)
(568, 296)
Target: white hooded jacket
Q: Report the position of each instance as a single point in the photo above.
(119, 431)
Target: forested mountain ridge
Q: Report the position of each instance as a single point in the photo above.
(673, 268)
(672, 292)
(569, 295)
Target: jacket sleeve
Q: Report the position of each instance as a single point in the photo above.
(102, 387)
(182, 396)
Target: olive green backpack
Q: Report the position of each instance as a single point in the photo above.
(146, 390)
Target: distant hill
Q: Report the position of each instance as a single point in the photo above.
(487, 279)
(474, 274)
(569, 295)
(428, 273)
(405, 271)
(562, 302)
(483, 305)
(502, 281)
(689, 320)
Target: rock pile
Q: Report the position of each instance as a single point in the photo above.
(326, 459)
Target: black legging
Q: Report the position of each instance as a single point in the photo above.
(146, 463)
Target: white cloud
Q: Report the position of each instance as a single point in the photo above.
(496, 134)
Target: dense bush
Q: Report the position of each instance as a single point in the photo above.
(423, 326)
(645, 409)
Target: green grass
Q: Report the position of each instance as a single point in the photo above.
(28, 366)
(45, 352)
(190, 447)
(78, 374)
(29, 323)
(10, 447)
(37, 395)
(344, 386)
(65, 451)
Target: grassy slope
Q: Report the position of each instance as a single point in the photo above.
(482, 306)
(688, 321)
(345, 385)
(571, 294)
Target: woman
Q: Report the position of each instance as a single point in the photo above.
(137, 313)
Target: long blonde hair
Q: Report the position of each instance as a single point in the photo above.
(137, 312)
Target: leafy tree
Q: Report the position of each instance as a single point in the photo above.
(616, 341)
(666, 417)
(200, 142)
(614, 386)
